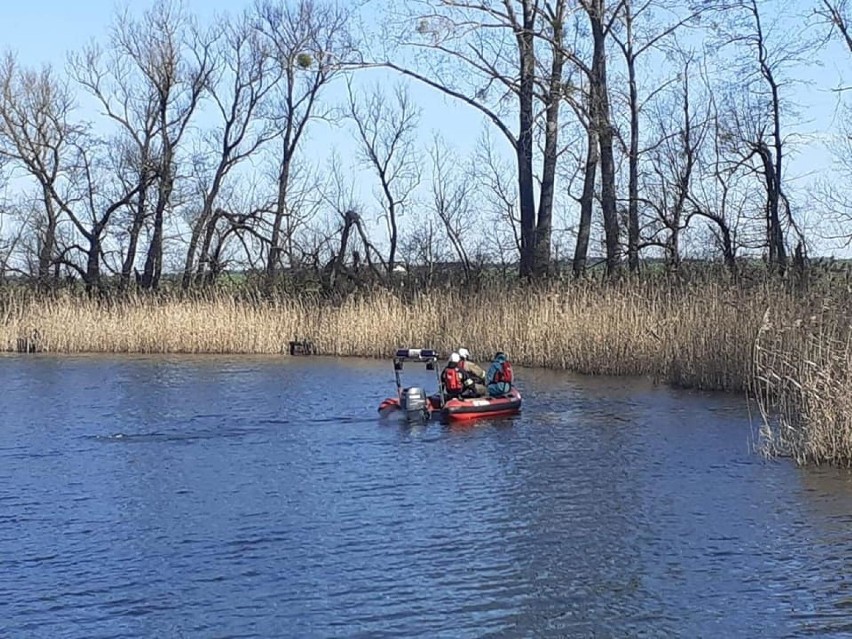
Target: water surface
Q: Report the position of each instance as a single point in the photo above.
(262, 497)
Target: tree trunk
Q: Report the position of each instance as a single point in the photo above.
(673, 247)
(394, 238)
(774, 232)
(274, 256)
(600, 103)
(135, 230)
(772, 165)
(201, 227)
(684, 177)
(775, 199)
(204, 261)
(133, 244)
(524, 149)
(392, 223)
(633, 161)
(48, 243)
(587, 201)
(189, 263)
(93, 261)
(544, 225)
(338, 261)
(728, 250)
(154, 260)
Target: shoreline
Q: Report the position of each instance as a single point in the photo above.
(783, 347)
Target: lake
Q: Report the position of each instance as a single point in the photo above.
(263, 497)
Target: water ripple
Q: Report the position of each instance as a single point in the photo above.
(174, 497)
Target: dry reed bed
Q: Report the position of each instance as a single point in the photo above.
(699, 336)
(710, 336)
(802, 384)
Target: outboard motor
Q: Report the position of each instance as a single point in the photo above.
(414, 403)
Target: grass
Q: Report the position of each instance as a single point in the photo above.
(763, 339)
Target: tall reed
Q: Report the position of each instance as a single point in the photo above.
(697, 336)
(762, 339)
(802, 384)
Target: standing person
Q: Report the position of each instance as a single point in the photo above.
(473, 375)
(500, 376)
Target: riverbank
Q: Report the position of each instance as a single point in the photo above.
(788, 348)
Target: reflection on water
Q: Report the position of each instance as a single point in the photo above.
(259, 497)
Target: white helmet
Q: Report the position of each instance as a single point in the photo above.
(464, 353)
(454, 357)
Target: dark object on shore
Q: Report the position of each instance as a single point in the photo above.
(30, 343)
(305, 347)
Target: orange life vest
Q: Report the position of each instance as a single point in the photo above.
(452, 380)
(504, 373)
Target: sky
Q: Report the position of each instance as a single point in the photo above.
(43, 31)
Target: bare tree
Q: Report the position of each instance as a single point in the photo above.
(171, 59)
(554, 13)
(37, 134)
(93, 198)
(600, 23)
(587, 200)
(385, 130)
(311, 44)
(496, 184)
(340, 195)
(6, 243)
(634, 42)
(837, 15)
(772, 162)
(721, 190)
(586, 165)
(7, 247)
(305, 208)
(674, 160)
(111, 76)
(453, 192)
(758, 118)
(235, 229)
(832, 191)
(485, 53)
(10, 234)
(628, 47)
(245, 75)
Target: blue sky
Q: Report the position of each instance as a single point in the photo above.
(43, 31)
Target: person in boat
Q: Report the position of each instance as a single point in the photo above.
(451, 377)
(473, 376)
(499, 377)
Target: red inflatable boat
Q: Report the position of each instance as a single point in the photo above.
(416, 405)
(464, 409)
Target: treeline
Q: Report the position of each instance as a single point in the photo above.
(175, 149)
